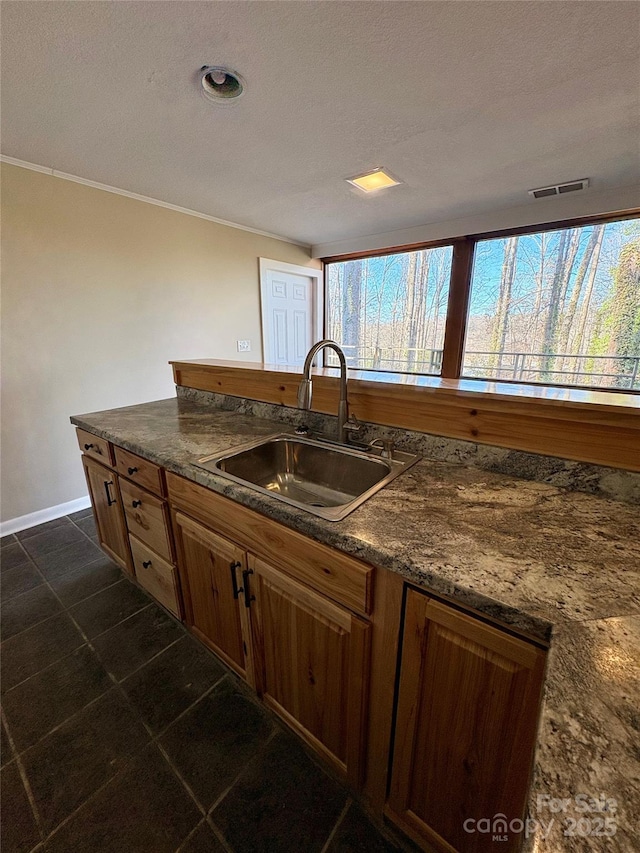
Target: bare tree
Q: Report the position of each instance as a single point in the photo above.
(507, 277)
(579, 342)
(567, 250)
(417, 315)
(351, 298)
(595, 238)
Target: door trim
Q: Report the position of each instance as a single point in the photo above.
(317, 276)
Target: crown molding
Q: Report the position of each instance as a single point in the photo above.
(34, 167)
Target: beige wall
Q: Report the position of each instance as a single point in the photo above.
(99, 291)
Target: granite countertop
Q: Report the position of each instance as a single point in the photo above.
(559, 565)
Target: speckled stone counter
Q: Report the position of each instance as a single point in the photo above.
(557, 564)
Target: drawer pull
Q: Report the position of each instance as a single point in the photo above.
(234, 581)
(146, 564)
(110, 500)
(132, 471)
(88, 446)
(136, 503)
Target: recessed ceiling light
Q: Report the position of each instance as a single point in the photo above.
(377, 179)
(220, 84)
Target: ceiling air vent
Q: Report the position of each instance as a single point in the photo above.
(560, 189)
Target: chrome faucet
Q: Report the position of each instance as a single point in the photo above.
(345, 424)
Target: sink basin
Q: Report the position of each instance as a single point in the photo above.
(327, 479)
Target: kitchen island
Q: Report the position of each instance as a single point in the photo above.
(557, 566)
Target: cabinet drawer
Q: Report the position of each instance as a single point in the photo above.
(147, 518)
(99, 448)
(331, 572)
(139, 470)
(156, 575)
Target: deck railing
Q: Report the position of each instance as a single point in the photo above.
(607, 371)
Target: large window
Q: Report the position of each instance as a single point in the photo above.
(557, 307)
(389, 313)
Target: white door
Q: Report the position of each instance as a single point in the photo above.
(290, 308)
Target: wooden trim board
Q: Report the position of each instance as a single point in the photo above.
(588, 426)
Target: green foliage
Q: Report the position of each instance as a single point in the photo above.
(617, 330)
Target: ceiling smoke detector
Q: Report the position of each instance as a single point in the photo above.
(560, 189)
(221, 84)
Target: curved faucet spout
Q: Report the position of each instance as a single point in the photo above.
(305, 389)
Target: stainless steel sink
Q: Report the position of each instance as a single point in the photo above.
(324, 478)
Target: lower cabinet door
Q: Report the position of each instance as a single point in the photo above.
(468, 703)
(107, 507)
(211, 576)
(311, 661)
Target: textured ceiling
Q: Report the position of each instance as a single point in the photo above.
(469, 103)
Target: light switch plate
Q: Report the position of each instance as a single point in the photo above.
(244, 346)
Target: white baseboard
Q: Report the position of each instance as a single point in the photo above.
(23, 522)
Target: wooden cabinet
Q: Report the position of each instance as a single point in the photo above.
(273, 609)
(133, 524)
(156, 575)
(107, 507)
(468, 703)
(94, 446)
(147, 518)
(312, 663)
(212, 570)
(139, 470)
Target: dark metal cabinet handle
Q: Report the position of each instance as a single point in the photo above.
(135, 504)
(146, 564)
(234, 581)
(248, 598)
(110, 500)
(88, 446)
(132, 471)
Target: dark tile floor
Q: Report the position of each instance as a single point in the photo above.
(121, 733)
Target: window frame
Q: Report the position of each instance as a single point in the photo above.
(460, 292)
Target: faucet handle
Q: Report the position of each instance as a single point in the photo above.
(352, 425)
(386, 444)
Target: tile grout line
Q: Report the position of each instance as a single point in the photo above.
(25, 781)
(241, 772)
(117, 686)
(337, 825)
(136, 714)
(153, 738)
(218, 834)
(189, 835)
(89, 645)
(153, 657)
(163, 752)
(186, 710)
(65, 608)
(121, 622)
(59, 725)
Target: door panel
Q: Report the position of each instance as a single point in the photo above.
(313, 664)
(209, 565)
(467, 713)
(107, 507)
(288, 312)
